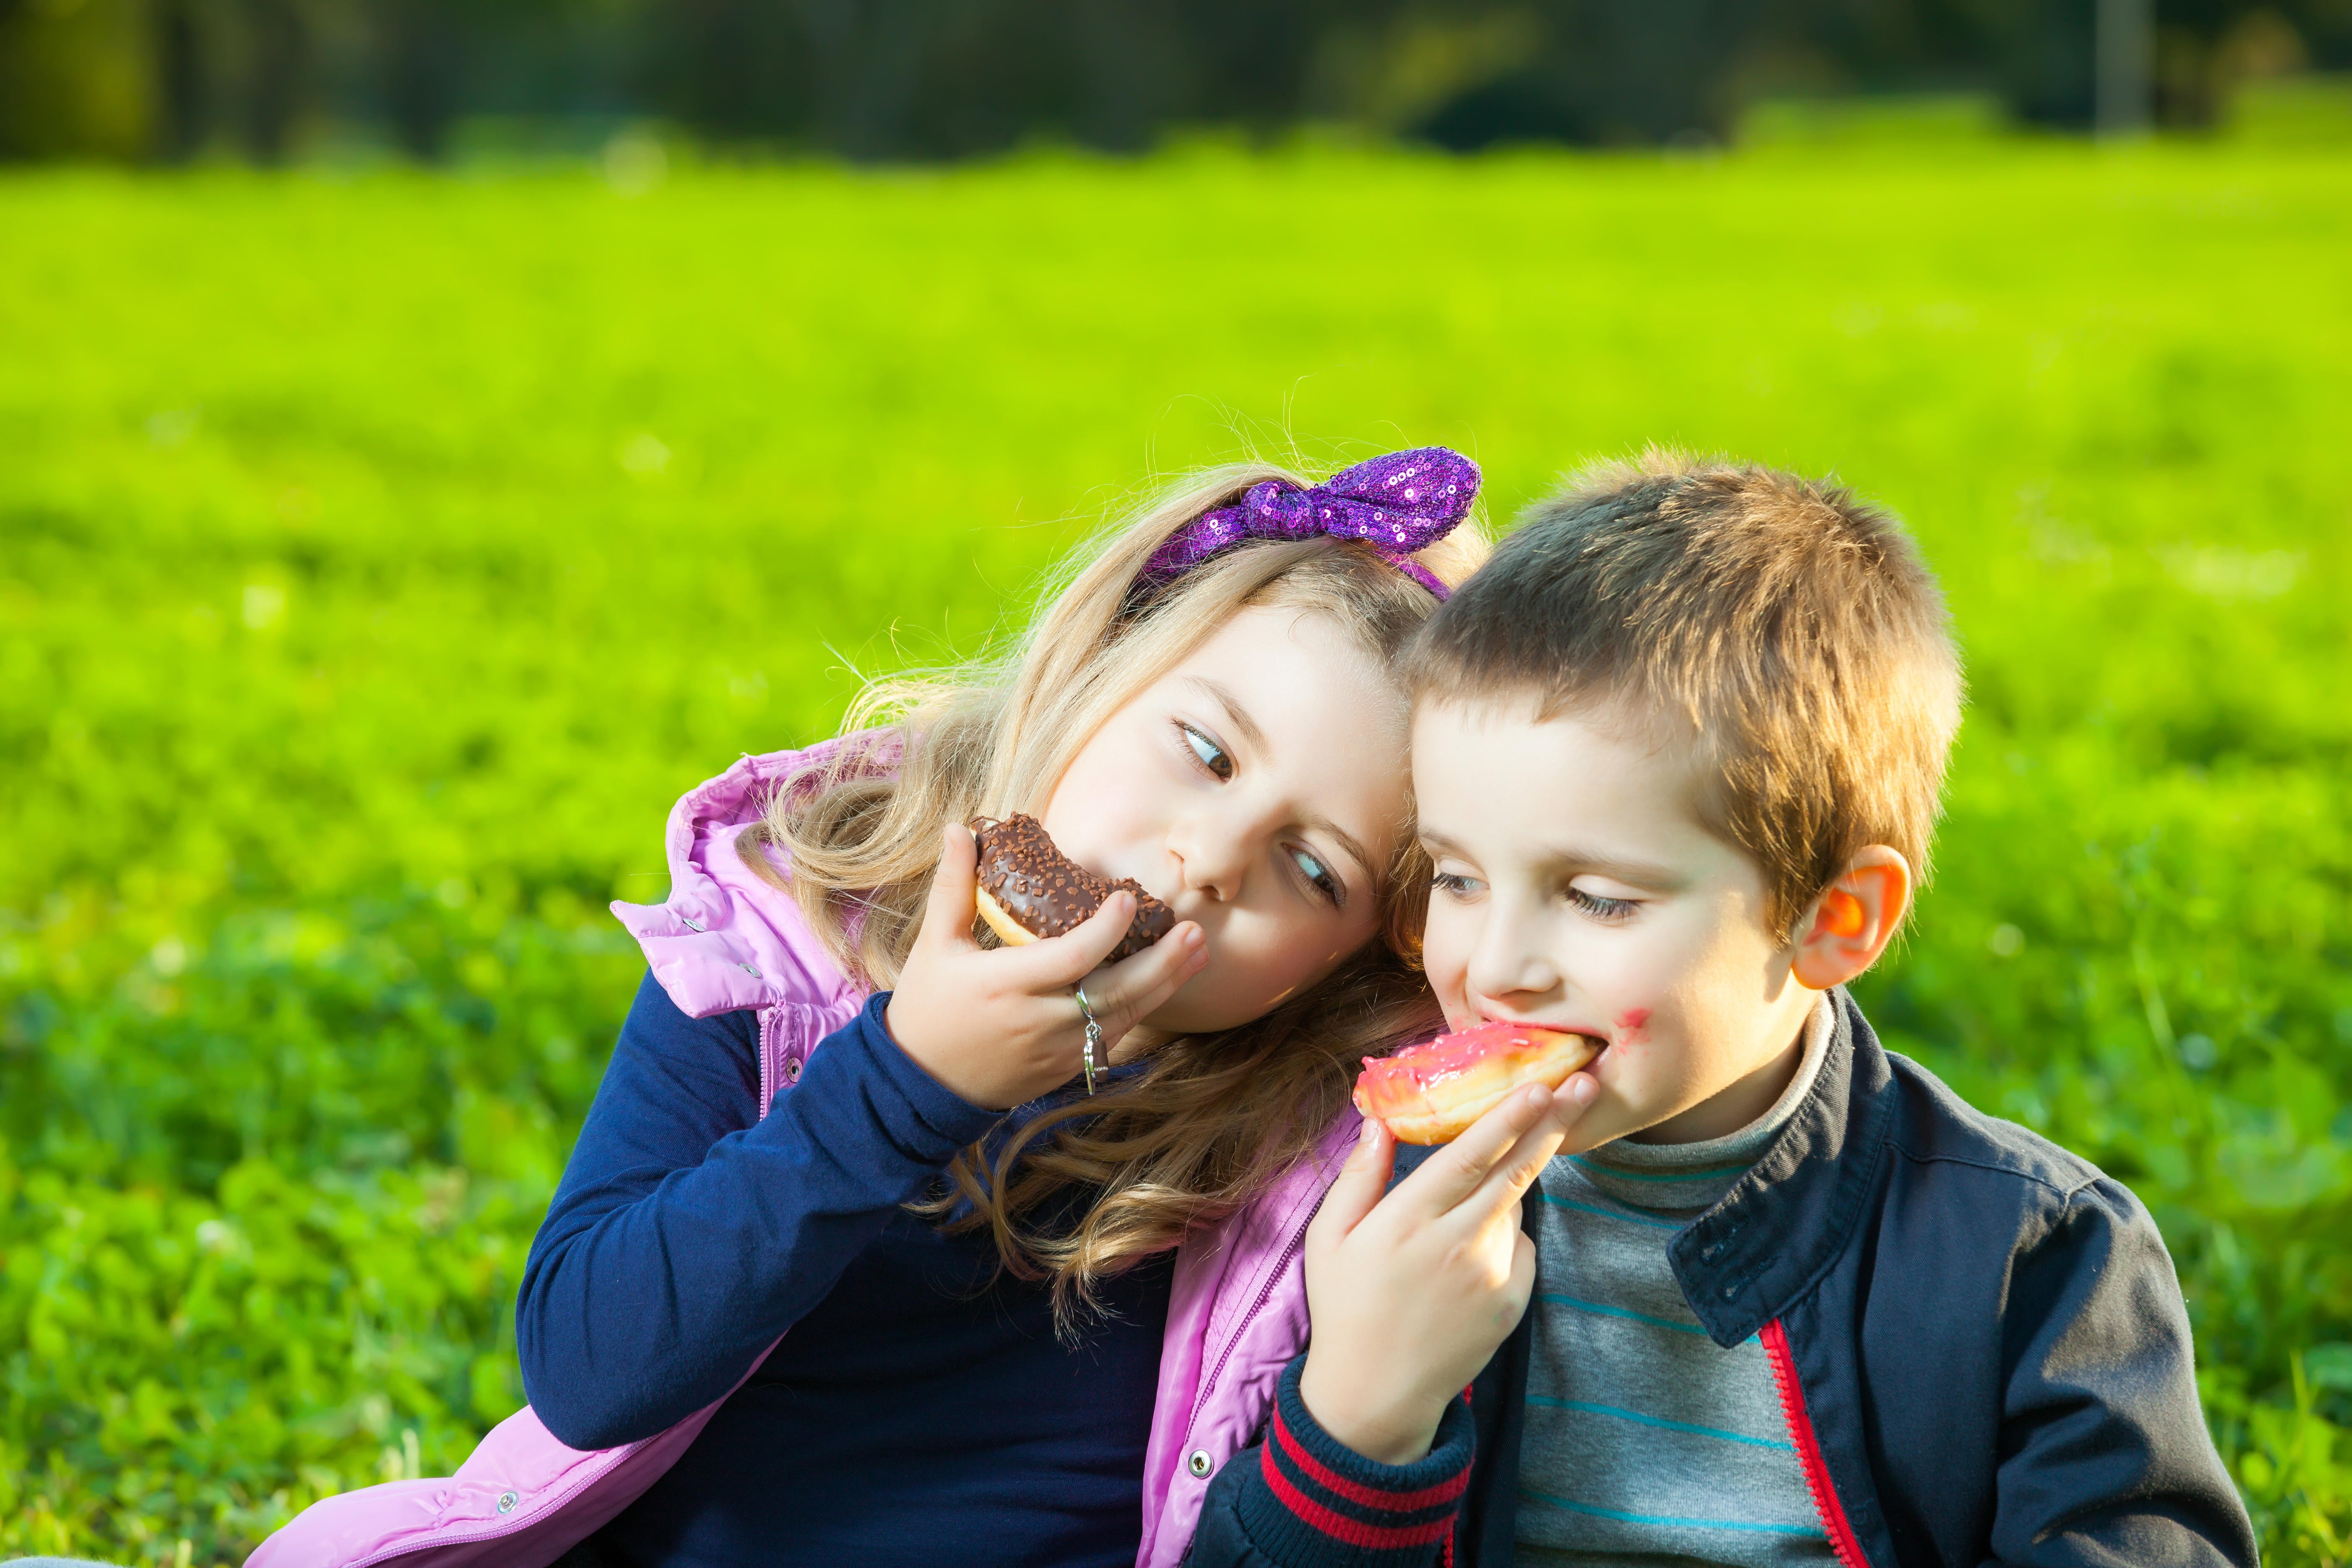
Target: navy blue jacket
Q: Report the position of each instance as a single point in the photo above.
(1980, 1342)
(917, 1391)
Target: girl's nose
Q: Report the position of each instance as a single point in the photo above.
(1211, 859)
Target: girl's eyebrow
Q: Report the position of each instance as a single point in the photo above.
(1238, 715)
(1348, 842)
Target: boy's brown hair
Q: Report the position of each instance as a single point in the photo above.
(1794, 629)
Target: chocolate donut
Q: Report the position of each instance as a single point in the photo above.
(1029, 890)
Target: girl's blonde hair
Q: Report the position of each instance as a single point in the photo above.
(1212, 1118)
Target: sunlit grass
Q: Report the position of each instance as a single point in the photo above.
(380, 557)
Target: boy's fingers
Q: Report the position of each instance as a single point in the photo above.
(1362, 1182)
(1509, 1181)
(1572, 1099)
(1456, 1170)
(952, 908)
(1523, 1267)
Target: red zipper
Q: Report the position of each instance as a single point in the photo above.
(1808, 1448)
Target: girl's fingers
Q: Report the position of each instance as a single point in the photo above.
(948, 913)
(1451, 1175)
(1059, 962)
(1132, 989)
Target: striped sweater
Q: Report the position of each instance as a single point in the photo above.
(1646, 1441)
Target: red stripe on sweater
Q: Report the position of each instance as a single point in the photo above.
(1356, 1491)
(1809, 1447)
(1339, 1526)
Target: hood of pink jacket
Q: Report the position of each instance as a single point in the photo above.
(728, 940)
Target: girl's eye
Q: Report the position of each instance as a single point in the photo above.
(1207, 752)
(1315, 872)
(1453, 885)
(1609, 912)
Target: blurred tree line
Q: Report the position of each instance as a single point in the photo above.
(171, 79)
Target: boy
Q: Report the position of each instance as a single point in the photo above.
(1784, 1298)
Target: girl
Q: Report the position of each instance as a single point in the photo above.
(847, 1265)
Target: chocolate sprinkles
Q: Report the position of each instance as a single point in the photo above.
(1051, 894)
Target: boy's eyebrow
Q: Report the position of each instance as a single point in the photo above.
(1619, 867)
(1636, 873)
(1234, 710)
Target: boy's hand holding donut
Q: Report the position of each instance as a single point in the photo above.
(1000, 1027)
(1412, 1293)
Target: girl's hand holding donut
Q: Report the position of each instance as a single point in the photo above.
(1413, 1292)
(997, 1029)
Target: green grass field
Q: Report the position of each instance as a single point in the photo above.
(380, 556)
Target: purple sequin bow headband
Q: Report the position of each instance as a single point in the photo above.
(1397, 503)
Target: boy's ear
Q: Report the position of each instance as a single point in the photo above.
(1853, 919)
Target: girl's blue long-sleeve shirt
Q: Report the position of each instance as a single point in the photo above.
(917, 1390)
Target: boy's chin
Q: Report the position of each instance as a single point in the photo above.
(1609, 1119)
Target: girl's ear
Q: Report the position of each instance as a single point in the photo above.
(1853, 919)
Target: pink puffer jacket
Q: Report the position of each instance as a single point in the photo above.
(726, 940)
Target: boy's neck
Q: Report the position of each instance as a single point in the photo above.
(1743, 1101)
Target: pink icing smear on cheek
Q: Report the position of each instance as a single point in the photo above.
(1631, 1022)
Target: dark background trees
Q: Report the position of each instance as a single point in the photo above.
(876, 79)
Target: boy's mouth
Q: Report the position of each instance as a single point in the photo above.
(1600, 1039)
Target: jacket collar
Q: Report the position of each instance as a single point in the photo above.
(1751, 1257)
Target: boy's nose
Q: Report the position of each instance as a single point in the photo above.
(1508, 960)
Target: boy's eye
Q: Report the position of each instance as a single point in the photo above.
(1606, 910)
(1207, 752)
(1317, 873)
(1453, 884)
